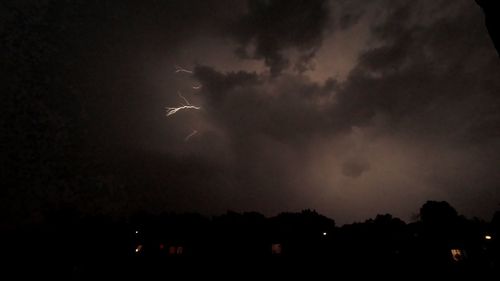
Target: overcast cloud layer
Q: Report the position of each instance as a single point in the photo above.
(347, 107)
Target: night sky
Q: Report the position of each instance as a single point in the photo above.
(351, 108)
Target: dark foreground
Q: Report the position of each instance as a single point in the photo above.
(441, 244)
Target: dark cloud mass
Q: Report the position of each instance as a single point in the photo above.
(287, 108)
(354, 169)
(426, 82)
(272, 27)
(410, 113)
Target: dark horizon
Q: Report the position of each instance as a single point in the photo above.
(348, 108)
(441, 243)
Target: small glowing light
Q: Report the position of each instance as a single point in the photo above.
(172, 250)
(138, 249)
(324, 233)
(276, 249)
(458, 254)
(487, 237)
(137, 232)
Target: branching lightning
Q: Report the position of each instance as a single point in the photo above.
(181, 69)
(194, 132)
(186, 104)
(174, 110)
(182, 97)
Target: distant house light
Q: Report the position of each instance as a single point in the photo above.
(180, 250)
(487, 237)
(458, 254)
(276, 249)
(138, 248)
(175, 250)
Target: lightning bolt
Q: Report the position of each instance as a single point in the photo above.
(194, 132)
(181, 69)
(182, 97)
(174, 110)
(187, 105)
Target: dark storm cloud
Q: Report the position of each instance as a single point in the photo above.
(426, 83)
(272, 27)
(419, 105)
(413, 78)
(349, 12)
(417, 116)
(354, 168)
(78, 89)
(429, 75)
(289, 107)
(430, 78)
